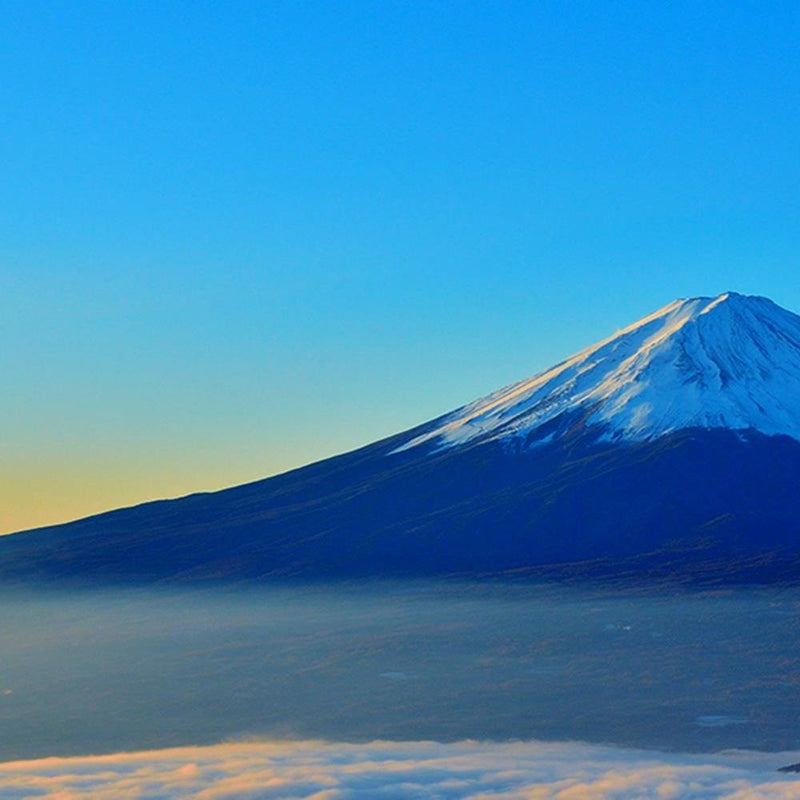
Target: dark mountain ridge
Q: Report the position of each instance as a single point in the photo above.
(483, 492)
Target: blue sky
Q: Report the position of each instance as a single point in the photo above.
(240, 237)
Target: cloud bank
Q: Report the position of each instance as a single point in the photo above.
(401, 771)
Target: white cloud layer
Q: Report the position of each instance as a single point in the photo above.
(401, 771)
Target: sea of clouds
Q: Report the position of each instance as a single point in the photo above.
(401, 771)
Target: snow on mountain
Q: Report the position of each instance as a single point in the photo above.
(731, 361)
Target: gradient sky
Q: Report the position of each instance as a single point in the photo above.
(238, 237)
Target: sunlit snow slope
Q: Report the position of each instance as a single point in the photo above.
(727, 362)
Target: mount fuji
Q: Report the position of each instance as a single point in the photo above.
(668, 451)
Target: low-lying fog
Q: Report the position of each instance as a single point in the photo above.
(93, 672)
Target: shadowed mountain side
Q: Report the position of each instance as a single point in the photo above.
(706, 504)
(670, 450)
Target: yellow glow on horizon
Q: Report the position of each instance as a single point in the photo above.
(47, 486)
(35, 494)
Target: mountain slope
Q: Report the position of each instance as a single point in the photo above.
(725, 362)
(670, 450)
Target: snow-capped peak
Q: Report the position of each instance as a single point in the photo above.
(731, 361)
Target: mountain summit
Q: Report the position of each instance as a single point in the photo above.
(669, 451)
(725, 362)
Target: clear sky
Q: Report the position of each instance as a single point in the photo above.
(239, 237)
